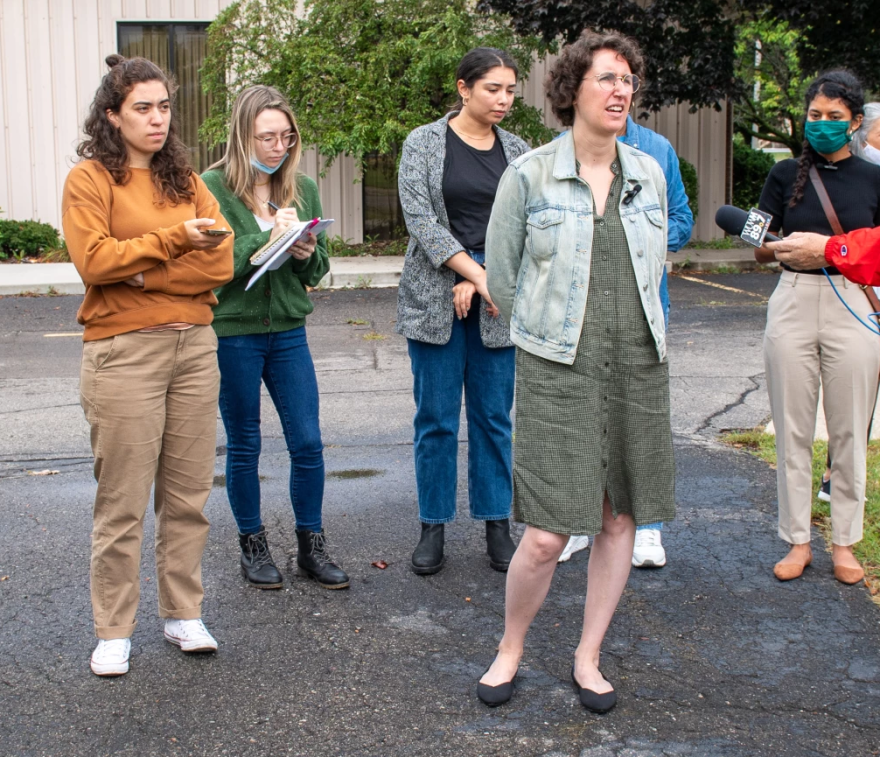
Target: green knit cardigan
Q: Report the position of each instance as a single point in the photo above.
(278, 301)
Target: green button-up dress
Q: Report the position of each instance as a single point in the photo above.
(600, 425)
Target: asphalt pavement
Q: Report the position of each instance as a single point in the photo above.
(711, 656)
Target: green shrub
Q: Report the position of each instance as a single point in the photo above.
(27, 238)
(750, 169)
(691, 184)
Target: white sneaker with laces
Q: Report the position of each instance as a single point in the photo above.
(648, 550)
(190, 635)
(575, 544)
(110, 657)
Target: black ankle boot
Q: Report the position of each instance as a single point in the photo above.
(499, 545)
(257, 565)
(314, 561)
(427, 558)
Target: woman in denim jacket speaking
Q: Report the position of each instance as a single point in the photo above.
(449, 171)
(575, 251)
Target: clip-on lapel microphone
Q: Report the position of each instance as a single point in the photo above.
(628, 196)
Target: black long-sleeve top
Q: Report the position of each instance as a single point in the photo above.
(852, 184)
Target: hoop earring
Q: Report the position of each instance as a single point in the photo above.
(464, 101)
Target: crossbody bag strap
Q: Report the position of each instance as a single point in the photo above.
(830, 214)
(819, 186)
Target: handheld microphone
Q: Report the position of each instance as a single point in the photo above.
(751, 227)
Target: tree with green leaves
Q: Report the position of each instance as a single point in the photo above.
(769, 65)
(688, 44)
(360, 74)
(830, 33)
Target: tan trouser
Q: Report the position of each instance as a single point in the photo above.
(151, 401)
(811, 337)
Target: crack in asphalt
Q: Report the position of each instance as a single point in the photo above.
(38, 409)
(738, 402)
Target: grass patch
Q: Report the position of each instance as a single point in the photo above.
(337, 247)
(356, 322)
(725, 243)
(373, 336)
(867, 551)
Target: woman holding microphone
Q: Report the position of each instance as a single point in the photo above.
(262, 335)
(449, 171)
(135, 218)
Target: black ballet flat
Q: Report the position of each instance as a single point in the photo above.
(492, 696)
(598, 703)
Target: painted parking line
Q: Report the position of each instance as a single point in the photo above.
(68, 333)
(720, 286)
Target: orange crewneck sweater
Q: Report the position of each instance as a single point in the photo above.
(116, 231)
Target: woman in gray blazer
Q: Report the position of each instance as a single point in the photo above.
(449, 171)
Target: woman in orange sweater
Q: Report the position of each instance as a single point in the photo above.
(135, 217)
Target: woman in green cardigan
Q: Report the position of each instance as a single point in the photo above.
(261, 332)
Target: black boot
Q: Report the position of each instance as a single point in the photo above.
(257, 565)
(499, 545)
(314, 562)
(427, 558)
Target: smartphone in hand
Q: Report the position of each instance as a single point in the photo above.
(216, 232)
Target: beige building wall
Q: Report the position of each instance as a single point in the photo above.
(52, 59)
(51, 62)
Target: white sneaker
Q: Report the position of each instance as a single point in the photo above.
(190, 635)
(110, 657)
(648, 552)
(575, 544)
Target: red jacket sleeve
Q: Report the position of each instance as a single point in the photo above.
(856, 255)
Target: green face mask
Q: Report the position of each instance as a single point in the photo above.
(827, 137)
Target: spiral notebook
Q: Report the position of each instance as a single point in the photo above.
(273, 255)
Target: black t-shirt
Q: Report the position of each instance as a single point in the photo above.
(470, 180)
(852, 184)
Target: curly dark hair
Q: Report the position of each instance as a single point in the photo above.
(170, 166)
(835, 85)
(564, 79)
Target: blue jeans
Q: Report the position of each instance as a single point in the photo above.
(664, 299)
(284, 362)
(487, 376)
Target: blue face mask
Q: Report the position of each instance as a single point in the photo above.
(827, 137)
(266, 169)
(871, 154)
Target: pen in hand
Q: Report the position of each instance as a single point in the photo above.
(272, 205)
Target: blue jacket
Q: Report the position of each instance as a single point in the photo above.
(681, 220)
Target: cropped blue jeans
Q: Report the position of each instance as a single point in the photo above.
(440, 372)
(282, 360)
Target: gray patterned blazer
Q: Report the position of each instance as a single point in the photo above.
(424, 299)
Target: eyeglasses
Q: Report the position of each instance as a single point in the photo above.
(287, 140)
(608, 81)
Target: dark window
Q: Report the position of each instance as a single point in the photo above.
(180, 50)
(383, 216)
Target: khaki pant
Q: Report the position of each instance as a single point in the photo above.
(811, 337)
(151, 401)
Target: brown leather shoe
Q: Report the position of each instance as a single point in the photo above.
(786, 571)
(848, 575)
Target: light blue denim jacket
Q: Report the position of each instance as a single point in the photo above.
(538, 246)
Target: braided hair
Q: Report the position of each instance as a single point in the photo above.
(835, 85)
